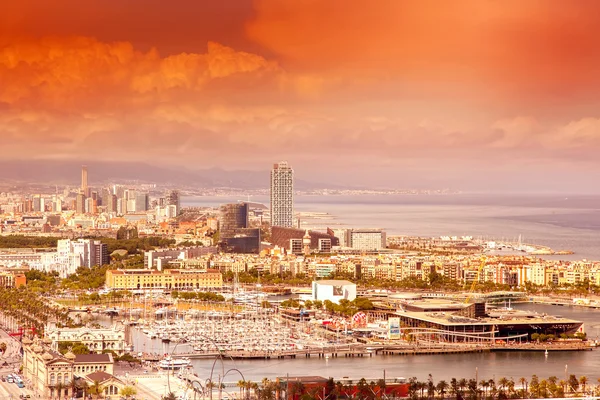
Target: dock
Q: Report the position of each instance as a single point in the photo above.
(325, 352)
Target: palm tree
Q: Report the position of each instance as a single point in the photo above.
(441, 387)
(502, 382)
(242, 384)
(95, 389)
(484, 384)
(462, 384)
(170, 396)
(523, 382)
(583, 380)
(453, 387)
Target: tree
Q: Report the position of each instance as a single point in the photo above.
(583, 380)
(442, 387)
(128, 391)
(523, 382)
(59, 389)
(573, 383)
(2, 347)
(170, 396)
(242, 385)
(96, 389)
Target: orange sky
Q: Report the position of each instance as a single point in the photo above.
(381, 90)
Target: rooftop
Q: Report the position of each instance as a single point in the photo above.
(510, 318)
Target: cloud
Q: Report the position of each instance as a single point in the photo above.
(480, 49)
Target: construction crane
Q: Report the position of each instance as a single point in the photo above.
(476, 280)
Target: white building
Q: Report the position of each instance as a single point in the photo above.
(71, 255)
(333, 290)
(282, 195)
(97, 340)
(367, 239)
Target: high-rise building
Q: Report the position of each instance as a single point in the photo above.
(173, 199)
(142, 202)
(233, 216)
(80, 203)
(282, 195)
(84, 180)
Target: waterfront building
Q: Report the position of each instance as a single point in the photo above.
(333, 290)
(179, 279)
(49, 371)
(367, 239)
(96, 339)
(282, 195)
(453, 321)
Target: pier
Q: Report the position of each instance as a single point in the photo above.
(324, 352)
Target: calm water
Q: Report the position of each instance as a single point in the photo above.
(563, 223)
(488, 365)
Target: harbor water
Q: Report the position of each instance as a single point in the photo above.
(486, 365)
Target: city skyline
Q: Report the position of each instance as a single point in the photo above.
(473, 95)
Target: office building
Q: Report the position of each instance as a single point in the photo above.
(233, 217)
(142, 202)
(80, 203)
(282, 195)
(367, 239)
(173, 199)
(324, 245)
(84, 180)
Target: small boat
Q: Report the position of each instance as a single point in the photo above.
(546, 353)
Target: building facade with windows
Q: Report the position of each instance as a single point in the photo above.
(97, 340)
(179, 279)
(282, 195)
(53, 375)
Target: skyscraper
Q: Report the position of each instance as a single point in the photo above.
(84, 180)
(282, 195)
(173, 199)
(233, 217)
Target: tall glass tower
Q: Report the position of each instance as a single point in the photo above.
(282, 195)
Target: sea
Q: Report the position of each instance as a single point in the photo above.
(560, 222)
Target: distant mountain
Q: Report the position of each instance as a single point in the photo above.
(69, 173)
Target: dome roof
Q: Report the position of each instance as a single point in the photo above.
(47, 340)
(69, 355)
(47, 356)
(26, 341)
(37, 348)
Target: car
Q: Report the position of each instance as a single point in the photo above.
(27, 396)
(9, 380)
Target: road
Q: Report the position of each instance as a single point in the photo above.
(10, 362)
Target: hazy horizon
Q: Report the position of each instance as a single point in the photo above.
(467, 95)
